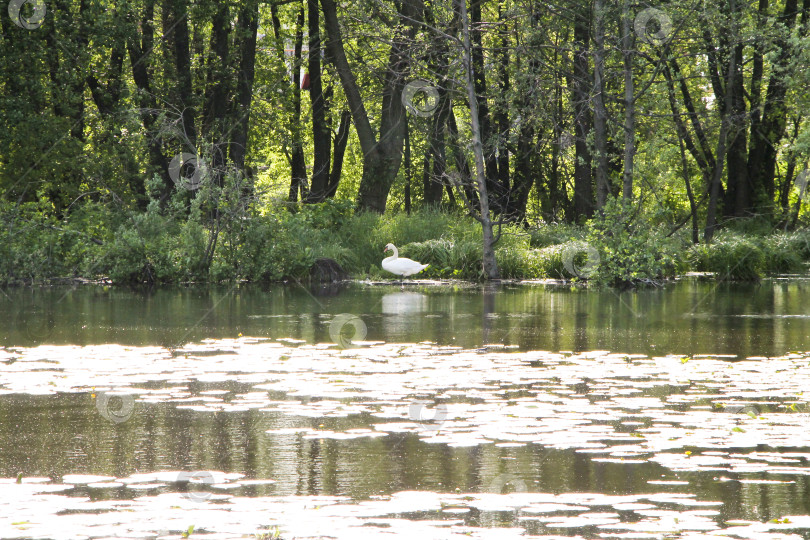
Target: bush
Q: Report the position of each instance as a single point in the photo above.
(631, 248)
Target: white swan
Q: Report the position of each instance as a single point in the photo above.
(401, 267)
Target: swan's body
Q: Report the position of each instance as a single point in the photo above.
(401, 267)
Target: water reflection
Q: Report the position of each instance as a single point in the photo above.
(401, 312)
(770, 318)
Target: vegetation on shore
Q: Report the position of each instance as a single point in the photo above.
(184, 243)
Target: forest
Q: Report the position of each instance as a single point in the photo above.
(614, 142)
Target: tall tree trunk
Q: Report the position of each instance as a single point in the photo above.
(435, 158)
(496, 191)
(140, 54)
(247, 25)
(217, 92)
(701, 151)
(175, 32)
(408, 170)
(765, 142)
(738, 192)
(490, 265)
(298, 166)
(321, 137)
(600, 110)
(714, 195)
(341, 140)
(525, 157)
(381, 158)
(465, 176)
(501, 118)
(580, 96)
(629, 103)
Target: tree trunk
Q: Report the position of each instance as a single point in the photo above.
(175, 32)
(490, 265)
(738, 190)
(140, 54)
(465, 177)
(496, 193)
(765, 141)
(381, 158)
(600, 110)
(321, 137)
(711, 213)
(218, 72)
(501, 120)
(341, 140)
(580, 96)
(247, 26)
(298, 166)
(408, 172)
(629, 103)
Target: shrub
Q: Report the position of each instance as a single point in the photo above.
(631, 249)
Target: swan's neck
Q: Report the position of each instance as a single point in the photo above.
(395, 255)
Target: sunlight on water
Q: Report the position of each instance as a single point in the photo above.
(239, 436)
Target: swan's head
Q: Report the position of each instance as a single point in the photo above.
(389, 247)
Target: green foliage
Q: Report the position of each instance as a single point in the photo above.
(519, 263)
(460, 259)
(631, 248)
(189, 240)
(736, 256)
(551, 260)
(153, 248)
(28, 244)
(554, 233)
(730, 256)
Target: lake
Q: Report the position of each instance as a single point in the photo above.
(434, 411)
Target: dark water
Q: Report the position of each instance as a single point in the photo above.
(368, 411)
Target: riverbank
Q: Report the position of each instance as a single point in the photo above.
(161, 246)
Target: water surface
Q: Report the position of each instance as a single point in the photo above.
(434, 412)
